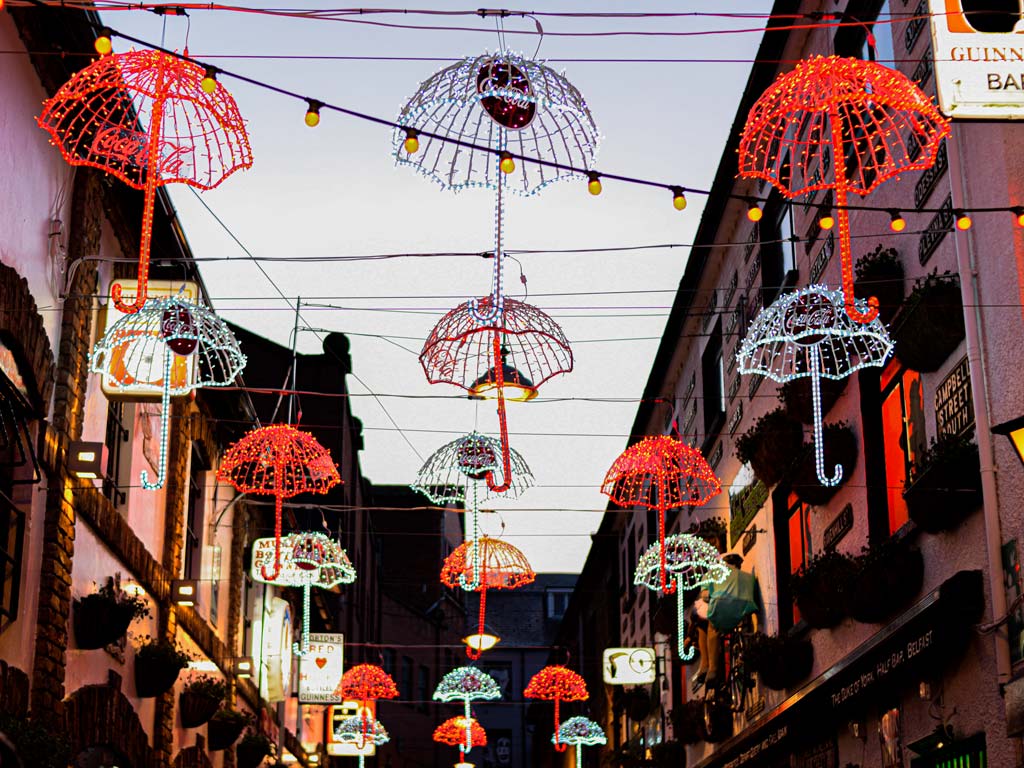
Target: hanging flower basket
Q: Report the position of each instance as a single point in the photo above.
(688, 722)
(225, 727)
(880, 274)
(818, 589)
(944, 485)
(888, 576)
(199, 700)
(840, 448)
(931, 323)
(157, 665)
(252, 750)
(780, 662)
(770, 446)
(795, 395)
(713, 530)
(104, 616)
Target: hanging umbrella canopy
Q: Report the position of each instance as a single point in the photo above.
(500, 100)
(172, 342)
(144, 117)
(581, 730)
(867, 122)
(350, 729)
(491, 564)
(806, 334)
(467, 684)
(661, 473)
(691, 562)
(453, 733)
(367, 682)
(443, 477)
(279, 461)
(557, 683)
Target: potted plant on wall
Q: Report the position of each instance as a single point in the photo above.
(713, 530)
(944, 483)
(252, 749)
(37, 745)
(930, 324)
(880, 274)
(770, 446)
(199, 699)
(157, 665)
(840, 445)
(817, 588)
(225, 727)
(888, 575)
(104, 616)
(780, 662)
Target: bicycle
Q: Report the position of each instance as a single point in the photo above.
(735, 691)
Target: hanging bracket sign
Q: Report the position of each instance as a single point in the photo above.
(629, 666)
(320, 669)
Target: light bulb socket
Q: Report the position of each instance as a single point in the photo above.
(678, 198)
(896, 221)
(313, 113)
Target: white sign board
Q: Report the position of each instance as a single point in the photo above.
(320, 669)
(629, 666)
(347, 748)
(277, 650)
(977, 74)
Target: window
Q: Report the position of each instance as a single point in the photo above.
(992, 15)
(557, 602)
(903, 434)
(423, 691)
(12, 537)
(118, 467)
(793, 538)
(195, 517)
(852, 40)
(713, 380)
(407, 672)
(778, 253)
(389, 661)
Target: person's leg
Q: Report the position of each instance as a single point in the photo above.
(714, 653)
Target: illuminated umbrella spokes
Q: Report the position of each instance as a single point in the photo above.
(467, 684)
(172, 341)
(361, 730)
(144, 117)
(579, 732)
(691, 563)
(453, 733)
(557, 683)
(805, 334)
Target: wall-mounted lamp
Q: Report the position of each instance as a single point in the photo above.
(858, 730)
(85, 459)
(184, 591)
(243, 667)
(1014, 431)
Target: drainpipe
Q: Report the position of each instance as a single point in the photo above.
(967, 265)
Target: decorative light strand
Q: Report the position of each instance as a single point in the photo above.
(579, 732)
(467, 684)
(557, 683)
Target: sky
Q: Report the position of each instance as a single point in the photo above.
(334, 190)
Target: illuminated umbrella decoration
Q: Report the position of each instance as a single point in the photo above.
(279, 461)
(519, 350)
(467, 684)
(579, 732)
(444, 476)
(357, 729)
(453, 733)
(804, 334)
(691, 562)
(871, 122)
(661, 473)
(147, 118)
(158, 345)
(366, 683)
(487, 563)
(557, 683)
(307, 560)
(486, 107)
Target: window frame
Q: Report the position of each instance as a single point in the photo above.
(712, 361)
(11, 562)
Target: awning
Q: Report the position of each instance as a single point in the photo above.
(934, 631)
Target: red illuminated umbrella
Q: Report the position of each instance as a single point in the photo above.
(512, 353)
(661, 473)
(487, 563)
(365, 683)
(453, 733)
(282, 462)
(870, 122)
(147, 118)
(557, 683)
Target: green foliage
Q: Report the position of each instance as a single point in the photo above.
(947, 451)
(112, 593)
(256, 741)
(208, 686)
(162, 653)
(233, 716)
(931, 282)
(828, 568)
(881, 259)
(37, 746)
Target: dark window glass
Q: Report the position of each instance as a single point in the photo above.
(713, 379)
(12, 537)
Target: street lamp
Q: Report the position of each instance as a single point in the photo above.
(1014, 431)
(481, 642)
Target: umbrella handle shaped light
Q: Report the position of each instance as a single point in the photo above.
(165, 416)
(492, 314)
(819, 440)
(686, 654)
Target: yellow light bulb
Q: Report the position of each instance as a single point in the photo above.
(103, 45)
(754, 213)
(594, 185)
(898, 224)
(679, 201)
(313, 117)
(963, 222)
(826, 221)
(1020, 218)
(507, 164)
(208, 84)
(412, 143)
